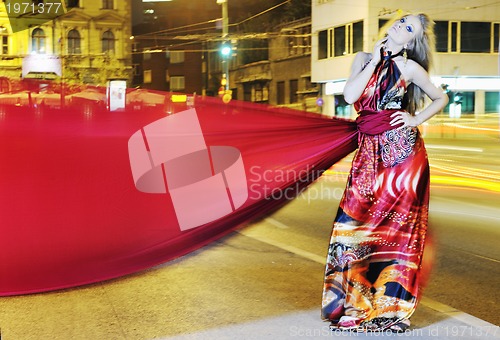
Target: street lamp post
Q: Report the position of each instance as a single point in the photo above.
(225, 19)
(225, 49)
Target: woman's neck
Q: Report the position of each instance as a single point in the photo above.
(392, 47)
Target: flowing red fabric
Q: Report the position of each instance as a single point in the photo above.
(71, 211)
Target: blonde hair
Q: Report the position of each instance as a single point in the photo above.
(420, 49)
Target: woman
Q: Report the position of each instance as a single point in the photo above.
(375, 254)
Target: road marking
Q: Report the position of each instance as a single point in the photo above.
(452, 147)
(435, 305)
(277, 223)
(455, 313)
(444, 211)
(472, 254)
(281, 245)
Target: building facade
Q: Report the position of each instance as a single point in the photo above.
(89, 42)
(466, 64)
(268, 67)
(283, 79)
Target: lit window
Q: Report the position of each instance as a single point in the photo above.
(176, 57)
(177, 83)
(148, 76)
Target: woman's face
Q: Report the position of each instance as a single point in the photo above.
(405, 30)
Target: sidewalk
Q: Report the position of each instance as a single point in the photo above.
(428, 323)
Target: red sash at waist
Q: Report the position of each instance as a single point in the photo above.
(375, 122)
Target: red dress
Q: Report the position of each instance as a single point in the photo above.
(375, 253)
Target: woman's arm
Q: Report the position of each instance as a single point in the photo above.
(420, 77)
(360, 76)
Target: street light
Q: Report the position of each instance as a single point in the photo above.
(225, 51)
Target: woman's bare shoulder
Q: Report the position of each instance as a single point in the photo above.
(410, 69)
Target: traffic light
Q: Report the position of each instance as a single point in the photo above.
(225, 49)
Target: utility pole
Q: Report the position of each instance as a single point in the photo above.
(225, 53)
(225, 18)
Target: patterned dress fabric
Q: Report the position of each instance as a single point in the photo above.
(374, 258)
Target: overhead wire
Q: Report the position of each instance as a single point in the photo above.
(213, 21)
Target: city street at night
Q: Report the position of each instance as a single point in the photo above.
(173, 169)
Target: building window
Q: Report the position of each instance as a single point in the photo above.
(72, 3)
(280, 90)
(4, 40)
(176, 57)
(294, 87)
(108, 42)
(292, 44)
(107, 4)
(441, 33)
(492, 102)
(260, 92)
(453, 39)
(299, 41)
(341, 40)
(466, 37)
(460, 103)
(342, 108)
(323, 44)
(38, 41)
(74, 42)
(357, 37)
(148, 76)
(5, 85)
(136, 69)
(177, 83)
(496, 36)
(475, 37)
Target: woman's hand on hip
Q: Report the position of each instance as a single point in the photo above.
(403, 117)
